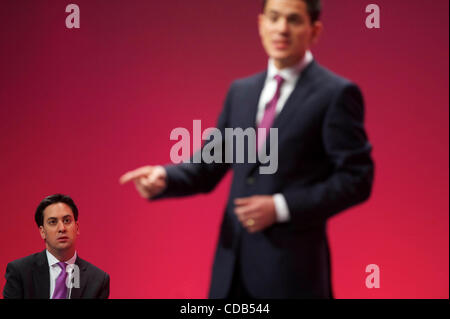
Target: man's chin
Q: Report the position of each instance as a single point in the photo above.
(279, 55)
(63, 246)
(284, 61)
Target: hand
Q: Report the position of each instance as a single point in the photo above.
(149, 180)
(256, 213)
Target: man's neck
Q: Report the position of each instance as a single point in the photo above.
(63, 255)
(284, 64)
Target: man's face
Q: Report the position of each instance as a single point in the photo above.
(60, 229)
(286, 31)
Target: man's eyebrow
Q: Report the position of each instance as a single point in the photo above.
(289, 15)
(65, 216)
(294, 15)
(273, 12)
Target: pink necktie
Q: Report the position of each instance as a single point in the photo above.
(60, 284)
(269, 114)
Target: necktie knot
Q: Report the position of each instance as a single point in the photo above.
(269, 114)
(279, 80)
(62, 265)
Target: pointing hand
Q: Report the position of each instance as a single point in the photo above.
(149, 180)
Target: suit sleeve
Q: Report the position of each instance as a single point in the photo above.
(347, 147)
(14, 287)
(192, 178)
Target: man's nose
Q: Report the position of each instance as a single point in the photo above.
(282, 25)
(61, 227)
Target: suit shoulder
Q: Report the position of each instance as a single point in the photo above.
(249, 80)
(25, 261)
(92, 269)
(329, 80)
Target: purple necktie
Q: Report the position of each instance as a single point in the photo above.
(60, 285)
(269, 114)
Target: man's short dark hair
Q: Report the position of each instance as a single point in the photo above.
(314, 9)
(53, 199)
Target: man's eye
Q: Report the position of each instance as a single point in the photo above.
(295, 20)
(273, 18)
(51, 222)
(67, 221)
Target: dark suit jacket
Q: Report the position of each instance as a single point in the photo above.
(324, 168)
(29, 278)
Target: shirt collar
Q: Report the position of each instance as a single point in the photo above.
(291, 73)
(52, 260)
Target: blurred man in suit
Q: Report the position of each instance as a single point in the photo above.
(273, 241)
(57, 272)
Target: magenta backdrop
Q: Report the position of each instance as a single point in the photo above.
(80, 107)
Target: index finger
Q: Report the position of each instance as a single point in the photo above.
(242, 201)
(132, 175)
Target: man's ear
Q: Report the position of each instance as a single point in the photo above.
(42, 232)
(260, 22)
(317, 31)
(78, 228)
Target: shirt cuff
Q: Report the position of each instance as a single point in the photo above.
(281, 208)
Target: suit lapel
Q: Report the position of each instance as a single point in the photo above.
(284, 119)
(41, 277)
(253, 96)
(302, 88)
(248, 115)
(77, 293)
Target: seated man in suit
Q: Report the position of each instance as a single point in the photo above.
(57, 272)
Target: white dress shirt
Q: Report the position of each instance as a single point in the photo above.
(55, 270)
(290, 76)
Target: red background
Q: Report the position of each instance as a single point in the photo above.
(81, 107)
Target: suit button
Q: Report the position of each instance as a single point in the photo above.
(250, 180)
